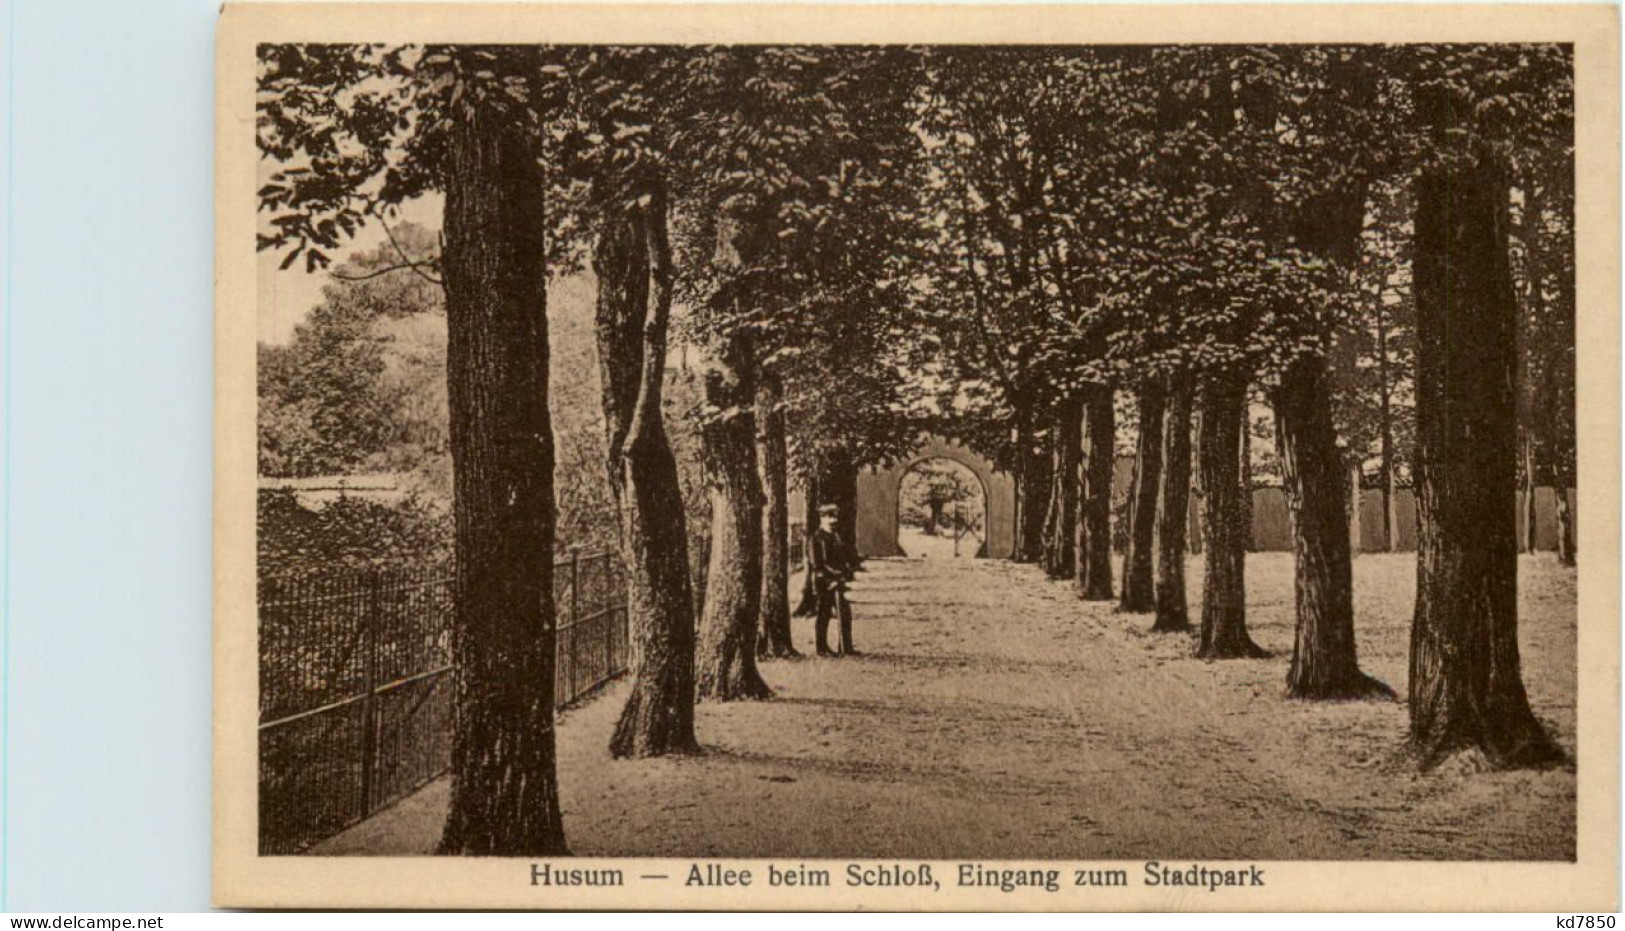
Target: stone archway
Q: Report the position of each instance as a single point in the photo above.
(878, 499)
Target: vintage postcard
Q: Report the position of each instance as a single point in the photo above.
(918, 457)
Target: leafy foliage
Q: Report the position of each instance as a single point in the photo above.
(1376, 382)
(343, 396)
(1107, 215)
(357, 130)
(939, 493)
(1543, 254)
(938, 238)
(350, 533)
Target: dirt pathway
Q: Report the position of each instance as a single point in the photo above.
(995, 716)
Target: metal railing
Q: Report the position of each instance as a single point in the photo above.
(357, 680)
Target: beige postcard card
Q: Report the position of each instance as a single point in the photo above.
(910, 457)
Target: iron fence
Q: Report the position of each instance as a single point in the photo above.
(356, 682)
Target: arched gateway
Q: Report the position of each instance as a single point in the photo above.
(878, 497)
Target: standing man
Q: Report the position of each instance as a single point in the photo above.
(832, 567)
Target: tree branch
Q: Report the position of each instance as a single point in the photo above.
(415, 267)
(407, 263)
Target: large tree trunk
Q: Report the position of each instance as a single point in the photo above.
(1528, 542)
(726, 666)
(1033, 487)
(839, 485)
(1390, 523)
(807, 606)
(1026, 503)
(1094, 543)
(504, 795)
(621, 264)
(1224, 590)
(1323, 654)
(1173, 509)
(699, 564)
(1390, 504)
(1466, 686)
(1245, 471)
(1052, 512)
(1533, 417)
(1194, 542)
(1139, 589)
(659, 714)
(1560, 393)
(1565, 528)
(1059, 544)
(1351, 508)
(773, 460)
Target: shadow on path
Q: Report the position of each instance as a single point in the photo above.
(995, 716)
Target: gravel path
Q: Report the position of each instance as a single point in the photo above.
(993, 715)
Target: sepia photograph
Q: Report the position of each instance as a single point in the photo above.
(901, 463)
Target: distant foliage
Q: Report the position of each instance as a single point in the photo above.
(350, 393)
(946, 238)
(361, 388)
(792, 169)
(350, 533)
(684, 410)
(939, 494)
(1377, 340)
(586, 509)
